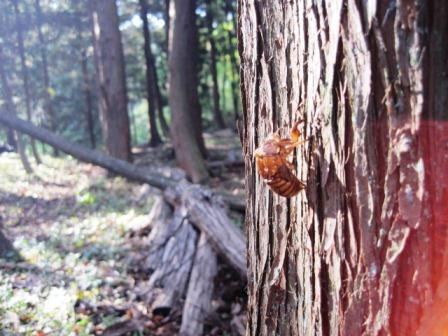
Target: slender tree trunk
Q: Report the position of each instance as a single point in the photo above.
(170, 13)
(233, 78)
(186, 129)
(90, 127)
(47, 90)
(134, 138)
(166, 18)
(223, 101)
(86, 88)
(360, 251)
(11, 139)
(10, 109)
(234, 62)
(159, 105)
(151, 82)
(110, 72)
(25, 77)
(217, 116)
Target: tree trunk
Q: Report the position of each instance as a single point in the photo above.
(11, 139)
(151, 82)
(363, 250)
(47, 89)
(25, 77)
(217, 115)
(86, 88)
(166, 18)
(169, 17)
(186, 126)
(159, 103)
(170, 14)
(234, 66)
(110, 73)
(11, 110)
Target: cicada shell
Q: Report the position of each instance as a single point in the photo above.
(273, 165)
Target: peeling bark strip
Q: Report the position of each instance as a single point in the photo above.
(362, 252)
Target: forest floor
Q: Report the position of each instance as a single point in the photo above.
(79, 238)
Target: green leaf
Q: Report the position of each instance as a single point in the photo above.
(51, 91)
(86, 198)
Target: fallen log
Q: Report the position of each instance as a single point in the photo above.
(162, 228)
(169, 279)
(95, 157)
(98, 158)
(207, 212)
(200, 288)
(225, 163)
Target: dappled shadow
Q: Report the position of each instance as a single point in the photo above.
(37, 210)
(7, 250)
(29, 275)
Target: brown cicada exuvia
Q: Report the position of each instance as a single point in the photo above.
(273, 165)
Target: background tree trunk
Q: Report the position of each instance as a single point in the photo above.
(186, 129)
(86, 88)
(151, 79)
(234, 65)
(169, 15)
(363, 251)
(111, 78)
(47, 86)
(11, 110)
(217, 115)
(25, 76)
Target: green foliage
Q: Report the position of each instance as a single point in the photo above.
(138, 114)
(67, 31)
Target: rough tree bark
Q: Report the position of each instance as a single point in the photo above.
(217, 114)
(111, 80)
(186, 125)
(25, 77)
(151, 79)
(363, 251)
(47, 86)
